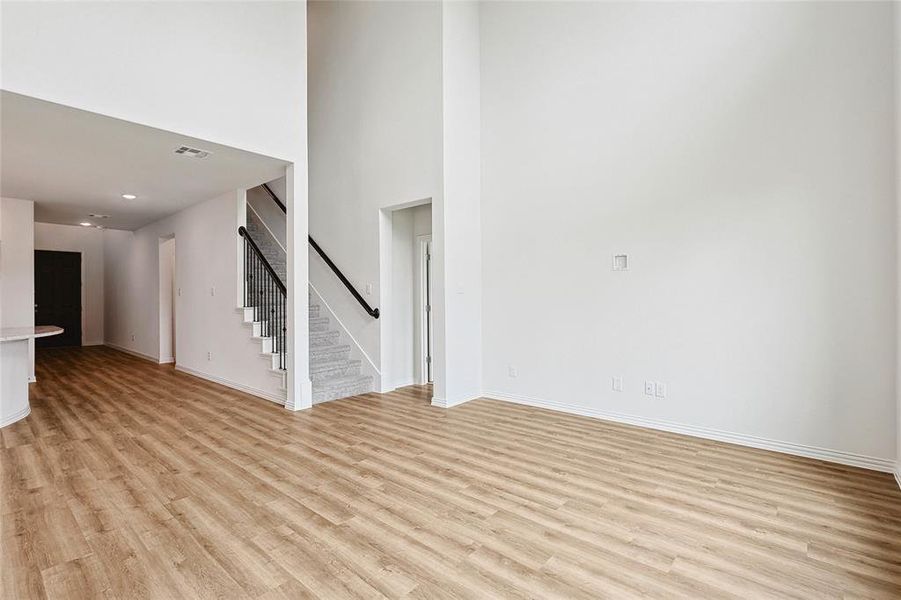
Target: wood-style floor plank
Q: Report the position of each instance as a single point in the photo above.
(132, 480)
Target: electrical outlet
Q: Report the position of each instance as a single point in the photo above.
(212, 291)
(368, 289)
(511, 371)
(132, 337)
(650, 388)
(179, 292)
(617, 384)
(660, 390)
(209, 356)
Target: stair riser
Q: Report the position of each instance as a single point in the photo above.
(326, 338)
(318, 325)
(326, 395)
(350, 369)
(328, 354)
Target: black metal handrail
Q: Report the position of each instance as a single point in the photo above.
(373, 312)
(266, 294)
(275, 199)
(242, 231)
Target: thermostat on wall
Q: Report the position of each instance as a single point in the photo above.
(620, 262)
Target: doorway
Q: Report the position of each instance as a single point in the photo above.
(403, 336)
(57, 296)
(168, 292)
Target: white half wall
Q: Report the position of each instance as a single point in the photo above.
(17, 268)
(89, 242)
(739, 154)
(211, 339)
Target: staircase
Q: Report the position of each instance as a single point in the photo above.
(334, 373)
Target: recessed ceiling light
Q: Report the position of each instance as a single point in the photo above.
(85, 224)
(129, 196)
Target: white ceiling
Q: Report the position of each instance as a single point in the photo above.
(72, 163)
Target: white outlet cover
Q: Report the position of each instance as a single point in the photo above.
(617, 384)
(650, 388)
(511, 371)
(620, 262)
(660, 390)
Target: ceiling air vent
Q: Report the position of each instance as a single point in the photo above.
(191, 152)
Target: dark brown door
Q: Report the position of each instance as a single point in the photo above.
(57, 296)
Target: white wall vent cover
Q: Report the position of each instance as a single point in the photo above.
(191, 152)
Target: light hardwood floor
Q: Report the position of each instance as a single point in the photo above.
(130, 480)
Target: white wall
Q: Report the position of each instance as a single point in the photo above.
(167, 292)
(739, 153)
(17, 267)
(208, 321)
(189, 67)
(269, 212)
(375, 135)
(400, 319)
(89, 242)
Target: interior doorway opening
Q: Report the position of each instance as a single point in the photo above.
(57, 296)
(406, 330)
(168, 293)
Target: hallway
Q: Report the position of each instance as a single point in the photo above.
(131, 480)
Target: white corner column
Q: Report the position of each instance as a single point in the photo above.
(456, 218)
(300, 388)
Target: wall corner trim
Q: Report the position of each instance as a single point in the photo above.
(897, 473)
(134, 353)
(825, 454)
(445, 403)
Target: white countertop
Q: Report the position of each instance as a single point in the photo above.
(12, 334)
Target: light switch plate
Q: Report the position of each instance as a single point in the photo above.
(649, 388)
(617, 384)
(660, 390)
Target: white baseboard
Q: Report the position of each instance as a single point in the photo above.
(837, 456)
(167, 361)
(16, 417)
(445, 403)
(232, 384)
(897, 473)
(135, 353)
